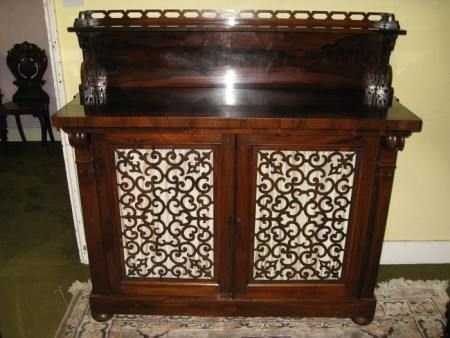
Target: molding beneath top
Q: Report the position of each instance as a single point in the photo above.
(416, 252)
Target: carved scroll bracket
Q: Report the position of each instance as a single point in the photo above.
(79, 139)
(379, 92)
(394, 142)
(85, 162)
(93, 78)
(93, 86)
(390, 145)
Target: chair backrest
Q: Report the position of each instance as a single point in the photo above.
(28, 63)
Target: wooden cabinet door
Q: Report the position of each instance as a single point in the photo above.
(302, 213)
(165, 201)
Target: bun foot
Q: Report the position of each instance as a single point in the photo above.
(101, 317)
(362, 320)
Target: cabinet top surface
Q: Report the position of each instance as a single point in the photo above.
(206, 112)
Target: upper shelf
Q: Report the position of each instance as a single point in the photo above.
(235, 20)
(337, 57)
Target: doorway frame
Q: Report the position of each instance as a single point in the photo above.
(68, 152)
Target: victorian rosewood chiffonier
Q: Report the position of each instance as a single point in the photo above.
(235, 162)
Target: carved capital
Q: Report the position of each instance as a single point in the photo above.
(394, 142)
(390, 145)
(78, 139)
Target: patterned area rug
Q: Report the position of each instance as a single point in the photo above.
(405, 309)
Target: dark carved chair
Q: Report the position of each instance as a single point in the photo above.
(28, 63)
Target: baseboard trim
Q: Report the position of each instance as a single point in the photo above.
(416, 252)
(32, 134)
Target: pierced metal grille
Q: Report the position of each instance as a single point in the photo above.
(167, 212)
(302, 212)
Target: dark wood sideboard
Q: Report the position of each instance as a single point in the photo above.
(235, 162)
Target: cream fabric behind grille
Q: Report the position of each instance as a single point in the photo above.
(303, 203)
(166, 204)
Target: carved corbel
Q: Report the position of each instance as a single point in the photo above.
(394, 142)
(85, 162)
(78, 139)
(387, 157)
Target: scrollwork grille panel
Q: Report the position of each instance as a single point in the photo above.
(166, 205)
(302, 212)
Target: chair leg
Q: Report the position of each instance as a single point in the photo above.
(3, 128)
(3, 132)
(43, 130)
(49, 125)
(19, 127)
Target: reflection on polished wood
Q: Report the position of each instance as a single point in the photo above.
(333, 53)
(204, 114)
